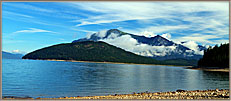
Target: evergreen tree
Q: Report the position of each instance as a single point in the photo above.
(215, 57)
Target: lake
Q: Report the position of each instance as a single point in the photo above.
(39, 78)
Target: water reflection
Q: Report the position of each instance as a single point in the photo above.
(56, 78)
(221, 76)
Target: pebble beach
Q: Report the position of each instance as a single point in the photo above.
(178, 94)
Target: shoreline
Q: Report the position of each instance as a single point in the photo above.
(186, 67)
(108, 62)
(178, 94)
(211, 70)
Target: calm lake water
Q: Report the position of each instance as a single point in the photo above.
(38, 78)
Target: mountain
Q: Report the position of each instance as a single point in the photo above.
(88, 51)
(157, 47)
(108, 34)
(7, 55)
(215, 57)
(96, 52)
(154, 41)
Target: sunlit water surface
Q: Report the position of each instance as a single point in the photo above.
(38, 78)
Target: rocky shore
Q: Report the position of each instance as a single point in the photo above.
(178, 94)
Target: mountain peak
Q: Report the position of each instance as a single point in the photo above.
(159, 36)
(114, 30)
(112, 33)
(159, 41)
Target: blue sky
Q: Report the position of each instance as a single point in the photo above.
(27, 26)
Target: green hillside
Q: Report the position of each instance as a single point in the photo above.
(96, 52)
(88, 51)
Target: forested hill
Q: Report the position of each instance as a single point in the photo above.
(88, 51)
(96, 52)
(215, 57)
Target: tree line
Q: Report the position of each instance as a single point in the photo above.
(217, 56)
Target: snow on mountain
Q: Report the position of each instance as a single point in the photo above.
(157, 46)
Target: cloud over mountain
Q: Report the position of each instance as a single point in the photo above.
(193, 46)
(156, 46)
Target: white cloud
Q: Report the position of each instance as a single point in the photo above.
(221, 41)
(164, 28)
(101, 33)
(128, 43)
(29, 13)
(88, 35)
(33, 30)
(125, 42)
(113, 35)
(8, 13)
(147, 34)
(96, 22)
(116, 11)
(214, 22)
(82, 30)
(27, 6)
(142, 12)
(193, 46)
(198, 38)
(217, 24)
(147, 50)
(166, 35)
(17, 52)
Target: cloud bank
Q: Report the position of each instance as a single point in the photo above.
(17, 52)
(128, 43)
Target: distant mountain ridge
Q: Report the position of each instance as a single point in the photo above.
(171, 50)
(7, 55)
